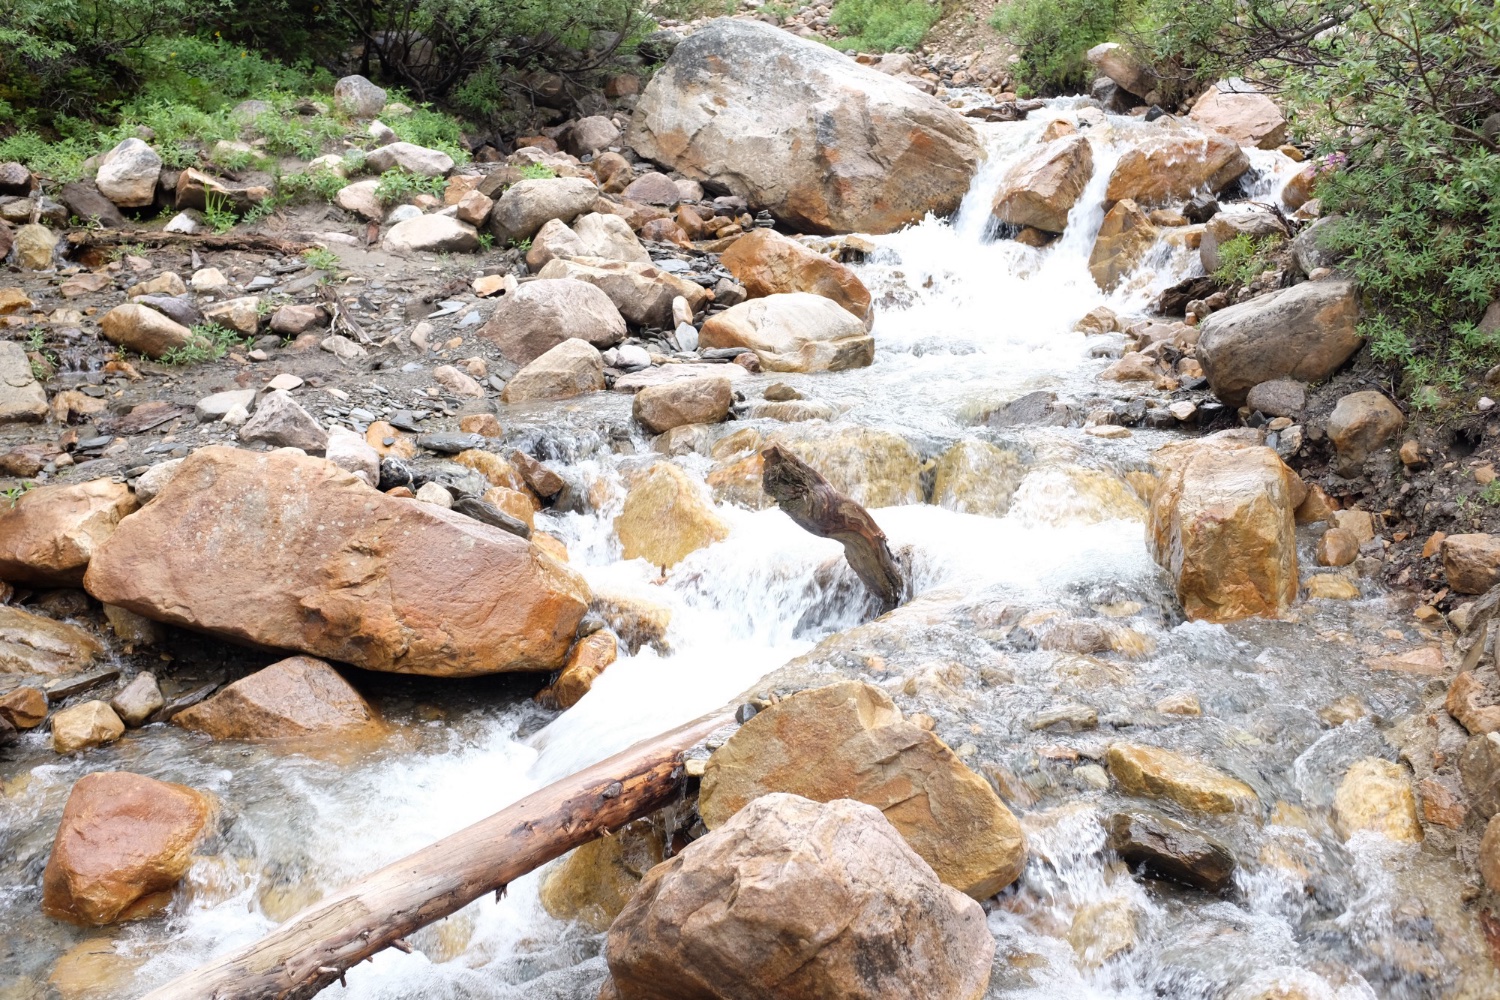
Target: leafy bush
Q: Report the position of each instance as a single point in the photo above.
(1053, 36)
(537, 172)
(430, 128)
(882, 25)
(691, 10)
(398, 185)
(1244, 258)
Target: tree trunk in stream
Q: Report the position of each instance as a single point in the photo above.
(315, 947)
(816, 506)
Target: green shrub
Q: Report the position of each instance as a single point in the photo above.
(537, 172)
(691, 10)
(432, 129)
(1244, 258)
(1052, 37)
(398, 185)
(882, 25)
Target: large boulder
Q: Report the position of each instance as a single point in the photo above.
(144, 330)
(32, 644)
(1304, 333)
(22, 398)
(849, 741)
(296, 698)
(528, 205)
(793, 899)
(660, 408)
(792, 332)
(124, 843)
(1362, 422)
(1223, 524)
(1171, 167)
(48, 534)
(1238, 111)
(541, 314)
(292, 552)
(1040, 190)
(666, 518)
(431, 234)
(1125, 236)
(642, 293)
(825, 144)
(572, 368)
(128, 174)
(768, 263)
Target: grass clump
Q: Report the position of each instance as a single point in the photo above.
(882, 25)
(537, 172)
(397, 185)
(1245, 258)
(210, 343)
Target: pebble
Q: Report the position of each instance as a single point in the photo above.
(285, 381)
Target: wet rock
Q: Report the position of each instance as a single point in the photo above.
(280, 421)
(292, 552)
(123, 844)
(1337, 547)
(637, 621)
(1471, 562)
(31, 644)
(642, 293)
(542, 314)
(1479, 767)
(767, 263)
(1304, 332)
(586, 661)
(352, 453)
(689, 401)
(131, 628)
(411, 158)
(572, 368)
(22, 398)
(792, 332)
(1236, 110)
(357, 97)
(1167, 849)
(1376, 795)
(1331, 587)
(1102, 930)
(529, 204)
(1261, 225)
(85, 726)
(1472, 705)
(849, 741)
(975, 477)
(792, 126)
(431, 234)
(1040, 190)
(1155, 773)
(593, 884)
(48, 534)
(34, 246)
(666, 518)
(138, 701)
(128, 174)
(793, 899)
(296, 698)
(1361, 423)
(23, 707)
(1489, 855)
(1278, 398)
(144, 330)
(1169, 168)
(1124, 237)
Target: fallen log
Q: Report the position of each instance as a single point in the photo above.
(316, 946)
(816, 506)
(85, 239)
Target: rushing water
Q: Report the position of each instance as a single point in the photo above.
(966, 322)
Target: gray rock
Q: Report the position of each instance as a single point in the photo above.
(128, 174)
(189, 222)
(411, 158)
(358, 97)
(1278, 398)
(178, 308)
(1479, 766)
(15, 179)
(352, 453)
(138, 700)
(431, 234)
(154, 480)
(590, 135)
(22, 398)
(527, 205)
(653, 189)
(1166, 849)
(212, 408)
(281, 422)
(84, 200)
(401, 213)
(451, 442)
(1306, 250)
(544, 313)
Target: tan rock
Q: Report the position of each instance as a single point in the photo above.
(688, 401)
(637, 621)
(1102, 930)
(145, 330)
(23, 707)
(240, 314)
(1362, 422)
(586, 661)
(767, 263)
(975, 477)
(296, 698)
(124, 843)
(22, 398)
(484, 424)
(541, 314)
(665, 518)
(642, 293)
(1337, 547)
(32, 644)
(593, 884)
(1471, 562)
(1233, 109)
(1171, 167)
(873, 468)
(35, 246)
(1127, 70)
(1316, 507)
(84, 726)
(1124, 237)
(1359, 523)
(1040, 190)
(139, 700)
(1331, 587)
(95, 970)
(848, 741)
(1489, 854)
(1376, 795)
(374, 581)
(1163, 774)
(48, 534)
(572, 368)
(523, 508)
(1468, 702)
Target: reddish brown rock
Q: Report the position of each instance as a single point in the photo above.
(296, 698)
(1172, 167)
(705, 400)
(1041, 189)
(23, 707)
(1471, 562)
(586, 662)
(48, 535)
(766, 263)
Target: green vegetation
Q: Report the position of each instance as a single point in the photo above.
(218, 213)
(10, 496)
(210, 342)
(1245, 258)
(321, 259)
(883, 25)
(537, 172)
(1052, 37)
(397, 185)
(692, 10)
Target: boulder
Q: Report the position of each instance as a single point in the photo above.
(593, 884)
(527, 205)
(1154, 773)
(652, 188)
(791, 125)
(1362, 422)
(293, 320)
(540, 315)
(1304, 333)
(572, 368)
(793, 899)
(1376, 795)
(1040, 190)
(689, 401)
(23, 707)
(1127, 70)
(586, 661)
(82, 198)
(22, 398)
(431, 234)
(280, 421)
(409, 157)
(849, 741)
(608, 236)
(297, 698)
(1471, 562)
(31, 644)
(360, 199)
(1337, 547)
(48, 534)
(1236, 110)
(666, 518)
(767, 263)
(1308, 247)
(1172, 167)
(123, 844)
(128, 174)
(1223, 523)
(1278, 398)
(792, 332)
(357, 97)
(590, 135)
(144, 330)
(139, 700)
(554, 240)
(1479, 768)
(34, 246)
(1166, 849)
(85, 726)
(474, 208)
(291, 552)
(975, 477)
(642, 293)
(1124, 238)
(352, 453)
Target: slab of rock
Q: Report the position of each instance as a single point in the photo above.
(292, 552)
(1171, 167)
(667, 374)
(128, 174)
(32, 644)
(849, 741)
(48, 534)
(690, 401)
(215, 407)
(1471, 562)
(123, 844)
(83, 200)
(975, 477)
(1155, 773)
(1376, 795)
(792, 332)
(144, 330)
(642, 293)
(666, 518)
(542, 314)
(280, 421)
(85, 726)
(792, 126)
(529, 204)
(608, 236)
(767, 263)
(593, 884)
(22, 398)
(1125, 236)
(139, 700)
(572, 368)
(1167, 849)
(793, 899)
(24, 707)
(431, 234)
(1040, 190)
(194, 188)
(588, 659)
(1362, 422)
(410, 157)
(1304, 333)
(296, 698)
(1236, 110)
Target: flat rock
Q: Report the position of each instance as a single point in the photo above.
(32, 644)
(431, 234)
(1155, 773)
(22, 398)
(572, 368)
(1169, 850)
(792, 332)
(297, 698)
(691, 401)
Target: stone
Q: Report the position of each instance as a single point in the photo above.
(128, 174)
(194, 188)
(637, 621)
(167, 283)
(48, 534)
(873, 468)
(540, 315)
(1474, 707)
(123, 844)
(495, 469)
(1223, 524)
(1260, 224)
(208, 281)
(431, 234)
(1156, 773)
(1332, 587)
(593, 884)
(457, 382)
(792, 126)
(1124, 67)
(1479, 767)
(666, 518)
(280, 421)
(294, 320)
(849, 741)
(1357, 522)
(527, 205)
(1376, 795)
(690, 401)
(483, 424)
(83, 200)
(587, 660)
(474, 208)
(1171, 167)
(652, 188)
(1362, 422)
(34, 246)
(435, 494)
(352, 453)
(24, 707)
(591, 135)
(85, 726)
(792, 899)
(138, 701)
(572, 368)
(608, 236)
(792, 332)
(1236, 110)
(297, 698)
(767, 263)
(241, 314)
(22, 398)
(1124, 238)
(1040, 190)
(553, 240)
(1304, 332)
(1337, 547)
(131, 628)
(975, 477)
(1471, 562)
(409, 157)
(642, 293)
(357, 97)
(1102, 930)
(15, 180)
(1278, 398)
(33, 644)
(293, 553)
(360, 199)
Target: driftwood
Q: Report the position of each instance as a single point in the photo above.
(315, 947)
(816, 506)
(85, 239)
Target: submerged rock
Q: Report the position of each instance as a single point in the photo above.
(975, 477)
(593, 884)
(298, 697)
(1167, 849)
(589, 658)
(1376, 795)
